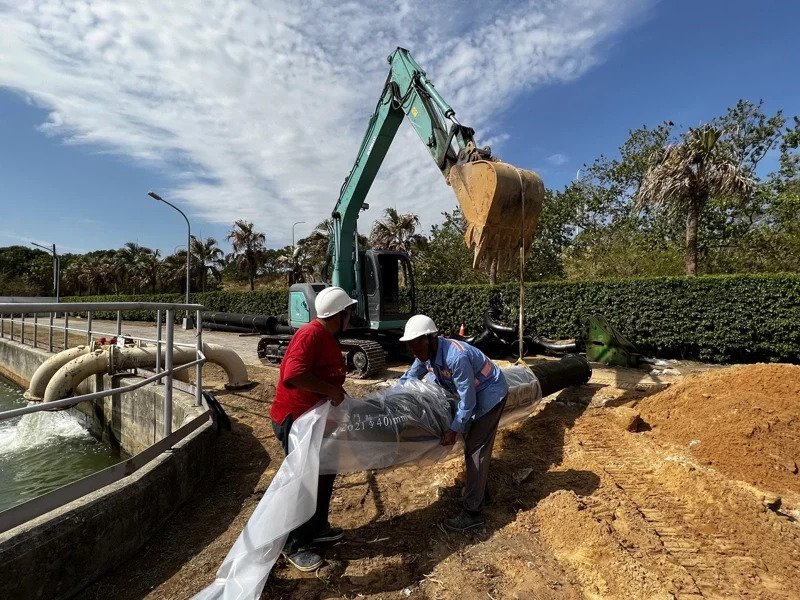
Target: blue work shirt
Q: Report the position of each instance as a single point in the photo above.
(467, 372)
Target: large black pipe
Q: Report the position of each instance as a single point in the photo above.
(252, 323)
(227, 328)
(556, 346)
(504, 332)
(570, 370)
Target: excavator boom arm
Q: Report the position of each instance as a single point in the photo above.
(500, 202)
(407, 92)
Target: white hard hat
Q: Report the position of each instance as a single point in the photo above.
(331, 301)
(417, 326)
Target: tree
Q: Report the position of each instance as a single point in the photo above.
(172, 272)
(313, 253)
(689, 173)
(446, 258)
(249, 247)
(137, 267)
(397, 231)
(208, 259)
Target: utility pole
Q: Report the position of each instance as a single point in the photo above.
(187, 322)
(56, 269)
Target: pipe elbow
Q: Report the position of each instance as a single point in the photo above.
(231, 363)
(48, 368)
(69, 376)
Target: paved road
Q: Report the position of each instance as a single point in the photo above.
(243, 345)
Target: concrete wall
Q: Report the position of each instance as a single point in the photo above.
(61, 552)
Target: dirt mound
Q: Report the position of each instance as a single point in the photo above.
(744, 421)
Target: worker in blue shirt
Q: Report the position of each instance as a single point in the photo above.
(481, 389)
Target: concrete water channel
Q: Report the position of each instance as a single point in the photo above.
(156, 436)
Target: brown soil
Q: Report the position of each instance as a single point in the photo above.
(583, 509)
(744, 421)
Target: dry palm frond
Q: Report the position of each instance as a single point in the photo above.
(691, 171)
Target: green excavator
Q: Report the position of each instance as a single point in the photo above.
(500, 203)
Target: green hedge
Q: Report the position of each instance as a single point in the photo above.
(742, 318)
(272, 302)
(732, 318)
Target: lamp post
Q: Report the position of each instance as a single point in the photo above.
(187, 321)
(56, 268)
(293, 248)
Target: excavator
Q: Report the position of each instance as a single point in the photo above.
(501, 204)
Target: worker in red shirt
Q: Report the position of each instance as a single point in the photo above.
(312, 369)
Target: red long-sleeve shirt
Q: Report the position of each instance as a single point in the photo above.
(312, 349)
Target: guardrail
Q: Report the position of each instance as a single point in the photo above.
(14, 315)
(13, 318)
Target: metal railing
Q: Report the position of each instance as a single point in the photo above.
(13, 318)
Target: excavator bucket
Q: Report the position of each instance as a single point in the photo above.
(501, 205)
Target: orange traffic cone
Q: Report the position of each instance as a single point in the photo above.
(462, 331)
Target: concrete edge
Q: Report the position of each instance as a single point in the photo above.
(60, 553)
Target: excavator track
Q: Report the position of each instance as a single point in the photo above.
(365, 358)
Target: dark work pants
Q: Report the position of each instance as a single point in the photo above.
(478, 442)
(302, 536)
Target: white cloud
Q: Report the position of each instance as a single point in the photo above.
(258, 109)
(558, 159)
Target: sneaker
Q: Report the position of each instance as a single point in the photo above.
(463, 521)
(304, 560)
(329, 534)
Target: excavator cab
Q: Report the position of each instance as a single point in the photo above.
(389, 295)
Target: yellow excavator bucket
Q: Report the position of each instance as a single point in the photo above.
(501, 204)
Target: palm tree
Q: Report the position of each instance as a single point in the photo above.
(249, 246)
(138, 266)
(314, 253)
(688, 174)
(397, 232)
(311, 253)
(172, 271)
(209, 259)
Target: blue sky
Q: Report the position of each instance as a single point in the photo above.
(234, 111)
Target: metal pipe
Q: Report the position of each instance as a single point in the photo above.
(22, 331)
(35, 330)
(43, 307)
(32, 408)
(168, 365)
(89, 328)
(12, 326)
(158, 344)
(198, 374)
(119, 323)
(66, 330)
(46, 371)
(50, 333)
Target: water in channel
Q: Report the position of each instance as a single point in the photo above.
(42, 451)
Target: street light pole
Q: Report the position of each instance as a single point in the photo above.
(56, 269)
(293, 248)
(187, 322)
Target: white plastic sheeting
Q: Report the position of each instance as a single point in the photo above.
(289, 501)
(400, 426)
(404, 424)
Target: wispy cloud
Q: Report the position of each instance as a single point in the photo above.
(258, 109)
(558, 159)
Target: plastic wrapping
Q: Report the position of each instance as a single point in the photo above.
(404, 425)
(290, 500)
(398, 426)
(524, 394)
